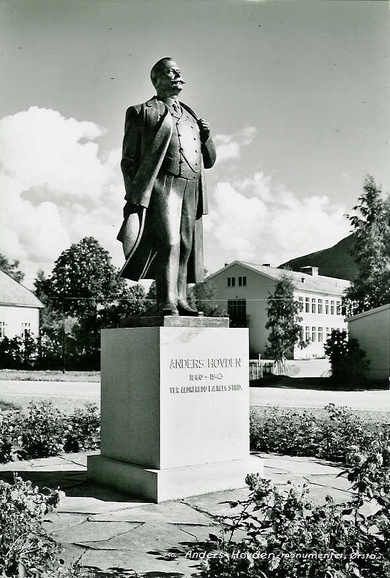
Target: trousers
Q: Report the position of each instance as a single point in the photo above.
(172, 214)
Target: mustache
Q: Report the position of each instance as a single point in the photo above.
(179, 80)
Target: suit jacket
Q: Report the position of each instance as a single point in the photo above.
(148, 130)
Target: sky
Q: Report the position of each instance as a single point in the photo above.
(296, 93)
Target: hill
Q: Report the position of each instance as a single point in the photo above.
(335, 261)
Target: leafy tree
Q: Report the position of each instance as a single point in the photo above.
(83, 294)
(83, 278)
(202, 296)
(371, 251)
(11, 268)
(348, 361)
(283, 322)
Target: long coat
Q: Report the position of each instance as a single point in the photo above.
(148, 131)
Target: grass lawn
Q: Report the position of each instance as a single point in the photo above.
(318, 383)
(48, 375)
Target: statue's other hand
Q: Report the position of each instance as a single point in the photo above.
(204, 129)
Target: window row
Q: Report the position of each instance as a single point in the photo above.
(24, 328)
(231, 281)
(317, 334)
(320, 306)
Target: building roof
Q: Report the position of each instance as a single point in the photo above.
(13, 293)
(301, 281)
(369, 312)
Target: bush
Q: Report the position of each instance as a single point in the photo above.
(348, 361)
(24, 544)
(41, 430)
(280, 533)
(308, 434)
(83, 429)
(7, 436)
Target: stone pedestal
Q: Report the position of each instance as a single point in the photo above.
(175, 409)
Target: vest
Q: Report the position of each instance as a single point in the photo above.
(183, 156)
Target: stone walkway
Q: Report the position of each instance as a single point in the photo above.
(105, 530)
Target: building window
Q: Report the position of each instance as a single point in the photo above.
(26, 328)
(231, 281)
(338, 305)
(327, 306)
(320, 335)
(328, 332)
(319, 307)
(242, 281)
(313, 305)
(237, 312)
(332, 307)
(307, 334)
(2, 329)
(313, 334)
(307, 305)
(300, 301)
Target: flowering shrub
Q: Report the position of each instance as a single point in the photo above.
(25, 547)
(83, 429)
(308, 434)
(279, 533)
(42, 430)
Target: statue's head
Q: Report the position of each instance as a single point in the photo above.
(166, 77)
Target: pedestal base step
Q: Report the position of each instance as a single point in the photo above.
(172, 483)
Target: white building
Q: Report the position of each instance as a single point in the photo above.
(19, 308)
(372, 330)
(242, 290)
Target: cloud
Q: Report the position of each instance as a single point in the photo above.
(229, 145)
(55, 185)
(254, 220)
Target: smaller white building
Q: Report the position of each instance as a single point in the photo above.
(19, 309)
(242, 290)
(372, 330)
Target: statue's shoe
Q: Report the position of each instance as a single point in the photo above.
(169, 309)
(185, 309)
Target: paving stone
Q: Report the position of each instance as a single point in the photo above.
(90, 532)
(330, 481)
(71, 554)
(215, 503)
(88, 505)
(143, 537)
(319, 493)
(55, 522)
(148, 566)
(299, 464)
(167, 512)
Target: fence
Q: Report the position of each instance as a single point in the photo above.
(260, 367)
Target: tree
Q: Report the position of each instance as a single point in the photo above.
(11, 268)
(371, 250)
(83, 294)
(348, 361)
(83, 278)
(283, 322)
(202, 297)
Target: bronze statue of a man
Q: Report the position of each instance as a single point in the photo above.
(165, 149)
